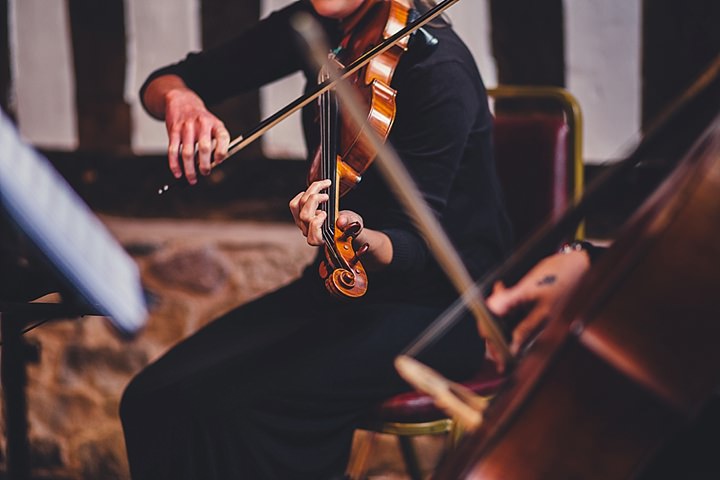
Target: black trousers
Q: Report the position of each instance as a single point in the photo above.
(275, 388)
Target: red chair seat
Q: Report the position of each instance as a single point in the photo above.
(417, 407)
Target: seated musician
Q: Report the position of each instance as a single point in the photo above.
(275, 388)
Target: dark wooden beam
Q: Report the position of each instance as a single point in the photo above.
(5, 78)
(98, 37)
(254, 188)
(680, 39)
(528, 41)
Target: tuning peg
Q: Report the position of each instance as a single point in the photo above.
(359, 253)
(351, 231)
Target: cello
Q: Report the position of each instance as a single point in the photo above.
(631, 358)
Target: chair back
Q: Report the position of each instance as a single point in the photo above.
(538, 145)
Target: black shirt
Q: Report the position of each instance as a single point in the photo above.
(442, 132)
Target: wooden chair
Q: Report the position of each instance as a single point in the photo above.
(539, 161)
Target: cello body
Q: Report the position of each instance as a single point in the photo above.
(629, 359)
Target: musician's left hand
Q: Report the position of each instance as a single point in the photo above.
(310, 219)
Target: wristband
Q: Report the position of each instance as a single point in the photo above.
(578, 246)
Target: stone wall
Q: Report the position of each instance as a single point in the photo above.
(196, 270)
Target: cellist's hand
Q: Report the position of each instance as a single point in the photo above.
(305, 212)
(539, 291)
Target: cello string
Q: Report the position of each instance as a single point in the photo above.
(444, 322)
(571, 218)
(401, 183)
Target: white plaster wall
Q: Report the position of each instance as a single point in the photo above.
(285, 139)
(43, 73)
(158, 32)
(602, 41)
(602, 61)
(471, 20)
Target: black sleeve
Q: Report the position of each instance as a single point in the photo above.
(261, 54)
(439, 108)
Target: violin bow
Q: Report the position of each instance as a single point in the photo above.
(241, 141)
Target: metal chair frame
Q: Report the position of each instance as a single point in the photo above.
(574, 118)
(405, 431)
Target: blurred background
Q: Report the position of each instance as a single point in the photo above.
(69, 75)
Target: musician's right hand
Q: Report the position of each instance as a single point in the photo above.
(189, 123)
(538, 291)
(191, 127)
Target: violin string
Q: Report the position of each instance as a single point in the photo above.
(323, 161)
(323, 152)
(333, 191)
(326, 168)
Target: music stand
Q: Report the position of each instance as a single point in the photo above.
(100, 278)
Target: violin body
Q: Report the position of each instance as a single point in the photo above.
(378, 21)
(629, 360)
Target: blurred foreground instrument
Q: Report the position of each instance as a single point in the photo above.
(94, 273)
(67, 236)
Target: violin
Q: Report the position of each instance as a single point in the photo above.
(378, 35)
(345, 151)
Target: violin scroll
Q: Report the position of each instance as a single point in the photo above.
(342, 271)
